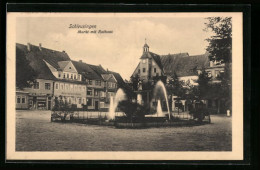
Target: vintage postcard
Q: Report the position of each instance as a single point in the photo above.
(124, 86)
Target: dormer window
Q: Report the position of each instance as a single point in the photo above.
(69, 67)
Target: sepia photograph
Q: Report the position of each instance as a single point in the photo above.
(125, 86)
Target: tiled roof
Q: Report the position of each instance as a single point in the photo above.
(86, 70)
(36, 60)
(183, 64)
(49, 55)
(98, 69)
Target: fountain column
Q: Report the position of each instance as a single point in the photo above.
(139, 98)
(184, 105)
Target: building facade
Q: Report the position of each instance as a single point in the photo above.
(59, 77)
(186, 67)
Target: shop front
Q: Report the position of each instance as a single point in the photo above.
(40, 101)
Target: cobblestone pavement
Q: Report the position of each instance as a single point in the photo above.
(35, 132)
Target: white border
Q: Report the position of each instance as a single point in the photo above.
(237, 96)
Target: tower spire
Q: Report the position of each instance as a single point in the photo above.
(146, 47)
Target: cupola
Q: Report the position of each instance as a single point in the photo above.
(146, 47)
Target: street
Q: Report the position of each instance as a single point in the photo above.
(35, 132)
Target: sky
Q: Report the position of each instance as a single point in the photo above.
(118, 51)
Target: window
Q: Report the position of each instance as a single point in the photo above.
(90, 82)
(83, 101)
(18, 99)
(89, 103)
(96, 93)
(57, 86)
(68, 76)
(98, 83)
(67, 86)
(89, 92)
(69, 67)
(61, 86)
(154, 70)
(143, 70)
(71, 76)
(36, 85)
(143, 61)
(59, 75)
(64, 75)
(23, 99)
(139, 71)
(79, 100)
(75, 77)
(47, 86)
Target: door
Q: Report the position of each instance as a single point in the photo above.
(49, 104)
(96, 105)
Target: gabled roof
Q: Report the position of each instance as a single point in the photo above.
(63, 64)
(156, 58)
(108, 76)
(117, 76)
(183, 64)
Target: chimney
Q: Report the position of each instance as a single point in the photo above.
(80, 61)
(64, 51)
(40, 46)
(28, 46)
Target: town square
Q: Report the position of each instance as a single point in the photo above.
(167, 86)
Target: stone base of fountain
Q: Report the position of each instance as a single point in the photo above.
(151, 122)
